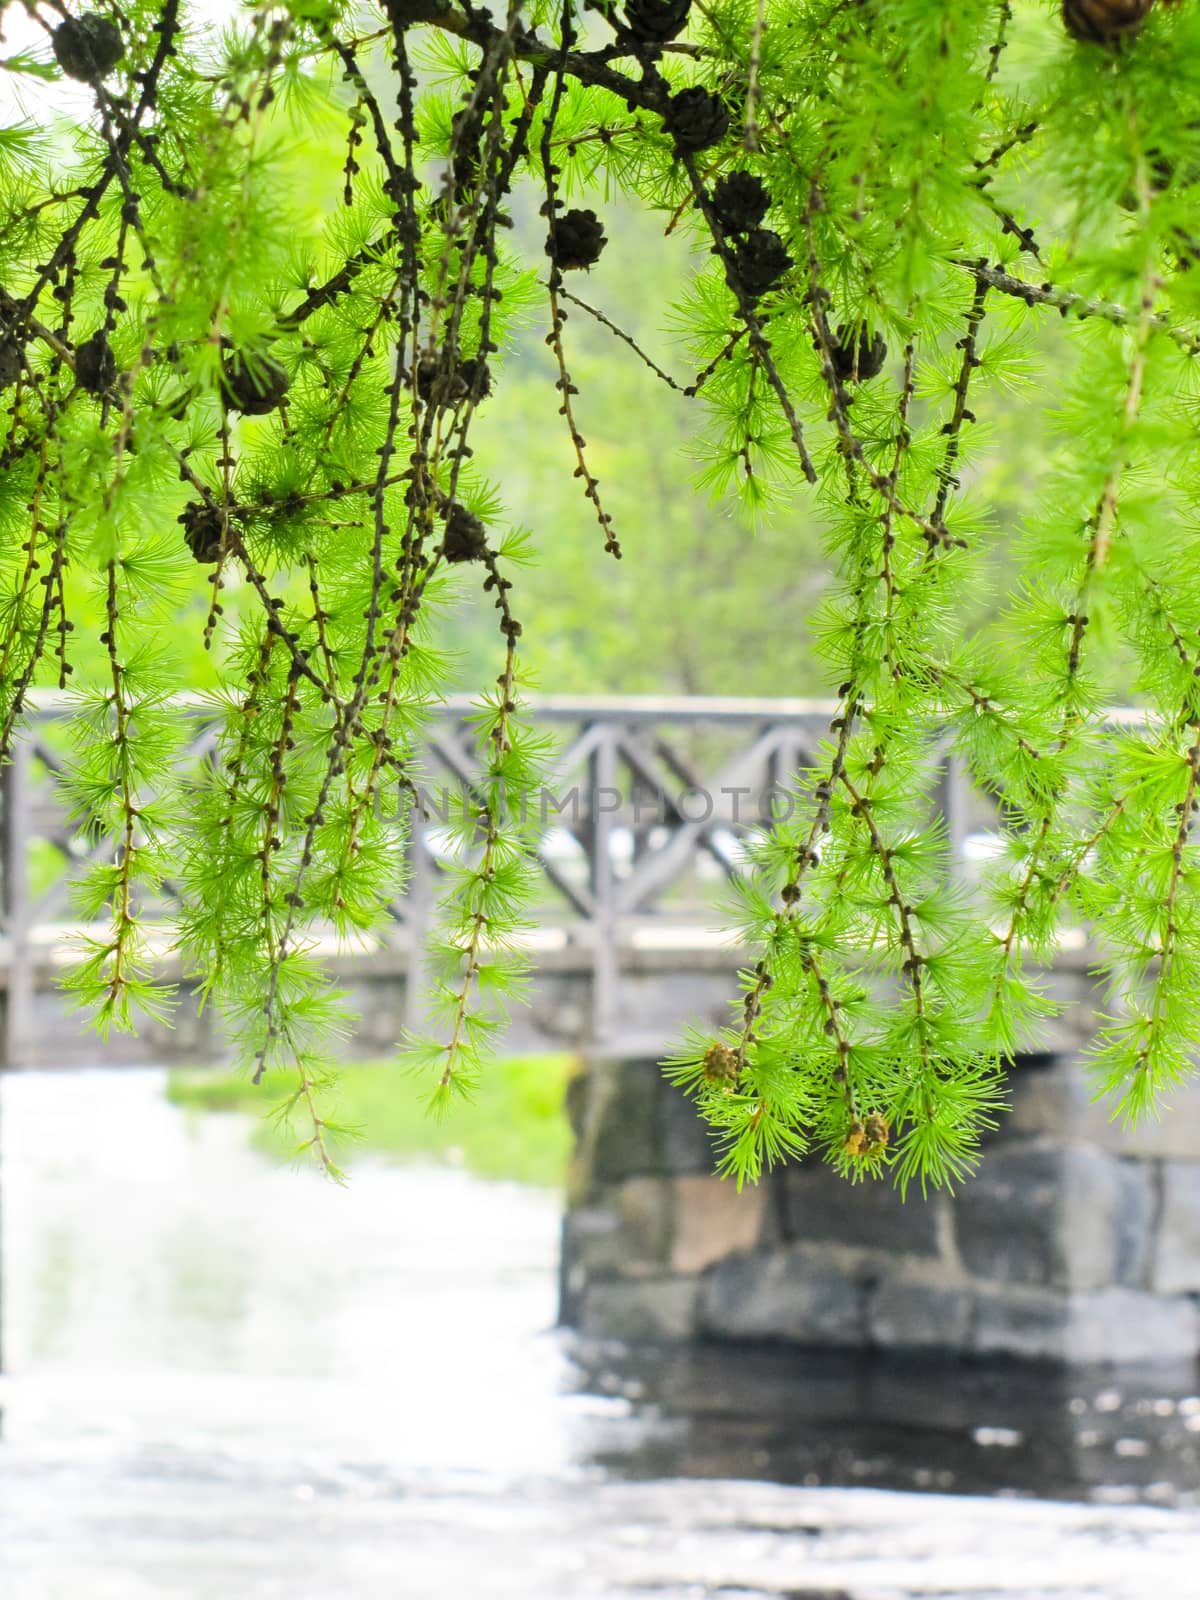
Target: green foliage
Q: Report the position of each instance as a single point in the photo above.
(515, 1128)
(252, 298)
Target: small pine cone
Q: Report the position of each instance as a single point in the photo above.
(466, 536)
(477, 376)
(435, 385)
(95, 366)
(203, 531)
(741, 201)
(11, 364)
(1103, 21)
(876, 1129)
(408, 13)
(87, 47)
(855, 1142)
(440, 388)
(466, 126)
(576, 240)
(656, 21)
(761, 261)
(253, 384)
(695, 118)
(855, 360)
(720, 1064)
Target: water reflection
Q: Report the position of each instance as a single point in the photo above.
(920, 1423)
(160, 1274)
(211, 1359)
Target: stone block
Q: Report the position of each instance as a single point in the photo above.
(795, 1293)
(624, 1232)
(1067, 1216)
(1127, 1325)
(1032, 1323)
(686, 1139)
(820, 1206)
(1135, 1223)
(647, 1308)
(1111, 1325)
(712, 1221)
(1177, 1256)
(622, 1124)
(915, 1311)
(576, 1100)
(1060, 1097)
(1008, 1217)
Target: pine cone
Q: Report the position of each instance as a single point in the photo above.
(576, 240)
(741, 201)
(720, 1063)
(408, 13)
(203, 529)
(436, 386)
(87, 47)
(477, 376)
(695, 118)
(11, 364)
(855, 360)
(253, 384)
(761, 261)
(466, 128)
(466, 536)
(876, 1129)
(95, 366)
(855, 1142)
(1103, 21)
(656, 21)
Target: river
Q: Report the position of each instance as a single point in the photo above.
(227, 1380)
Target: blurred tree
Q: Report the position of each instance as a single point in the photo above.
(593, 626)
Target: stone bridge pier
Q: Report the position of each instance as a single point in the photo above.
(1076, 1240)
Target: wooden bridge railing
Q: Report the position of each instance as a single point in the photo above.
(647, 808)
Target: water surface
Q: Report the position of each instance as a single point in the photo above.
(230, 1379)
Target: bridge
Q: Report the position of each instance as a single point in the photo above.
(1077, 1241)
(649, 805)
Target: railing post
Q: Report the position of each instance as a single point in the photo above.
(418, 904)
(605, 961)
(14, 885)
(782, 771)
(951, 798)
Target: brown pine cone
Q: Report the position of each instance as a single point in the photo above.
(95, 366)
(695, 118)
(253, 383)
(761, 260)
(467, 129)
(656, 21)
(11, 364)
(437, 386)
(1103, 21)
(88, 47)
(741, 201)
(477, 376)
(720, 1063)
(203, 531)
(855, 1142)
(576, 240)
(408, 13)
(855, 360)
(876, 1129)
(466, 536)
